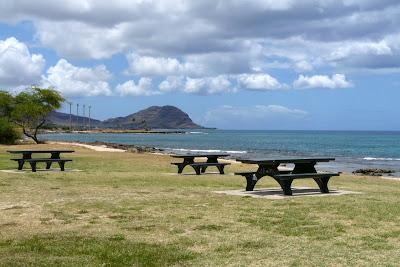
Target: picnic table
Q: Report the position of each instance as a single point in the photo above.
(27, 157)
(303, 168)
(200, 167)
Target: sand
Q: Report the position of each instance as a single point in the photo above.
(101, 148)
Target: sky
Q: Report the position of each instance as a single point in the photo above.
(233, 64)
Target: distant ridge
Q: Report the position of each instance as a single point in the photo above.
(62, 119)
(154, 117)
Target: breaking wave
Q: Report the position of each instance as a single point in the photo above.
(385, 159)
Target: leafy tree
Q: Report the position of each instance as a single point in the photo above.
(6, 104)
(31, 108)
(8, 134)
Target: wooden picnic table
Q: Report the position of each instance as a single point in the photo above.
(303, 168)
(27, 157)
(189, 159)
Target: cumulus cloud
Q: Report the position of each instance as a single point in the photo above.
(199, 39)
(18, 67)
(259, 81)
(75, 39)
(208, 85)
(161, 66)
(155, 29)
(172, 83)
(322, 81)
(142, 88)
(78, 81)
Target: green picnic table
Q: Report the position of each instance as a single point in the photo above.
(27, 157)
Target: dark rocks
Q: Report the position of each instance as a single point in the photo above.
(127, 147)
(373, 172)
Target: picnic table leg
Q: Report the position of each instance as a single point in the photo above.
(304, 168)
(27, 155)
(61, 164)
(251, 180)
(186, 161)
(20, 164)
(54, 155)
(221, 169)
(48, 165)
(286, 186)
(197, 169)
(33, 166)
(210, 160)
(323, 184)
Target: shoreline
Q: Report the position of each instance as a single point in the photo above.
(119, 131)
(120, 148)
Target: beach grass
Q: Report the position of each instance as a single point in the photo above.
(127, 209)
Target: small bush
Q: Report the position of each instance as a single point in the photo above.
(8, 134)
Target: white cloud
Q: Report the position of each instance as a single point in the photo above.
(142, 88)
(78, 81)
(322, 81)
(259, 81)
(199, 38)
(368, 48)
(172, 83)
(81, 40)
(145, 65)
(18, 67)
(208, 85)
(302, 65)
(162, 66)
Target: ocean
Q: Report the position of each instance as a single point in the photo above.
(352, 149)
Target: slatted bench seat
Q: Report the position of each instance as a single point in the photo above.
(201, 166)
(321, 178)
(33, 162)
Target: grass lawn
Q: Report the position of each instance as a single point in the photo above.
(128, 209)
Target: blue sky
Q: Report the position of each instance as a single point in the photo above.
(321, 65)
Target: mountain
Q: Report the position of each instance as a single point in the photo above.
(155, 117)
(62, 119)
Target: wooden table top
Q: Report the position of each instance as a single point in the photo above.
(200, 155)
(269, 161)
(40, 151)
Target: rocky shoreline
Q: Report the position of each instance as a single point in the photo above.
(132, 148)
(127, 147)
(373, 172)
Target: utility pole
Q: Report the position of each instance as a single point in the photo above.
(70, 116)
(89, 117)
(84, 118)
(77, 116)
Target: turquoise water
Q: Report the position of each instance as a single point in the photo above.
(351, 149)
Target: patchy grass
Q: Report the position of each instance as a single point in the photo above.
(128, 209)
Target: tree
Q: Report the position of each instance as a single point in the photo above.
(6, 104)
(31, 108)
(8, 133)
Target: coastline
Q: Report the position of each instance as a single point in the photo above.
(116, 131)
(120, 148)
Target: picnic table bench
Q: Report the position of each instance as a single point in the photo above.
(303, 168)
(27, 157)
(200, 167)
